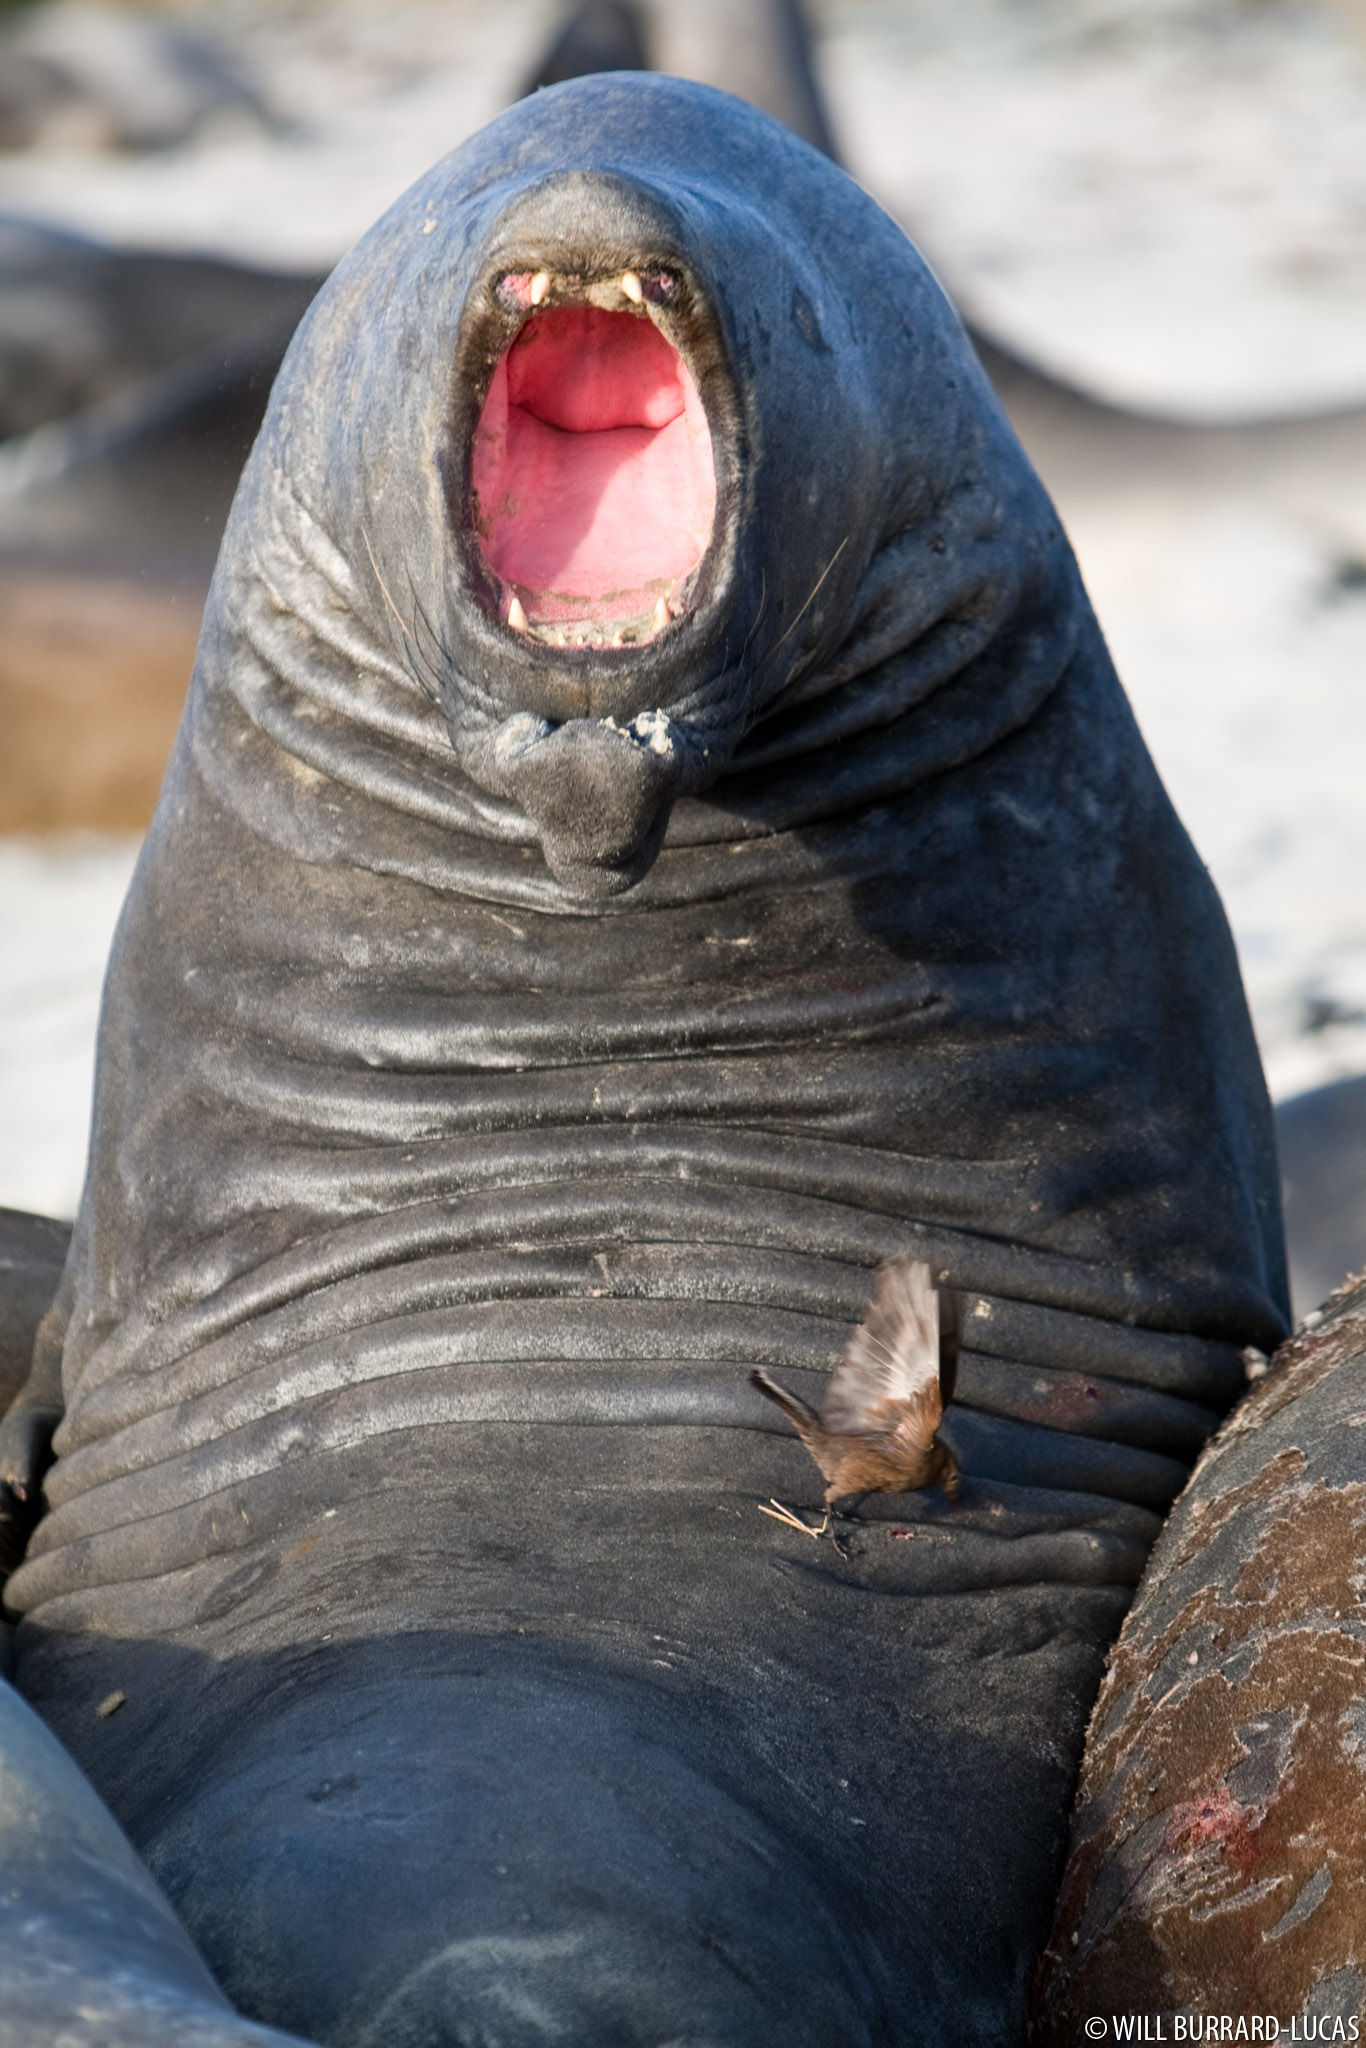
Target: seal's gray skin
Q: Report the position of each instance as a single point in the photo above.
(758, 49)
(600, 35)
(86, 325)
(86, 1939)
(32, 1253)
(1216, 1854)
(485, 1087)
(131, 388)
(1321, 1139)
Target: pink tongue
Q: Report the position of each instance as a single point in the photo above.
(592, 468)
(588, 371)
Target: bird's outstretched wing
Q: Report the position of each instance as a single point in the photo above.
(891, 1365)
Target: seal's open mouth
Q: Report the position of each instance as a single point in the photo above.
(593, 476)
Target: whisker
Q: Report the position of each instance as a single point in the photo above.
(763, 600)
(814, 591)
(443, 652)
(379, 577)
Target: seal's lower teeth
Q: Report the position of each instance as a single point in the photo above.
(593, 632)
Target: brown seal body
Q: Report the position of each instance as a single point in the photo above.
(1216, 1854)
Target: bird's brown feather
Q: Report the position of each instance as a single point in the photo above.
(799, 1413)
(875, 1430)
(889, 1373)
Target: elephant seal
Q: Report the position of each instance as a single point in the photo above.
(760, 49)
(1321, 1142)
(1216, 1864)
(33, 1251)
(655, 832)
(600, 35)
(91, 1950)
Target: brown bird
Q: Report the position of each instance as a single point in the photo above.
(875, 1430)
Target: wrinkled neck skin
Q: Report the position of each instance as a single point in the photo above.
(611, 609)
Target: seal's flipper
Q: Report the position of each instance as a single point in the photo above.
(91, 1948)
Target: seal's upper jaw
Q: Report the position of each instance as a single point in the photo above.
(593, 479)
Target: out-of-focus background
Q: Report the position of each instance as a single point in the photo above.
(1152, 214)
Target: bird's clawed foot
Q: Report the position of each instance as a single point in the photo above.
(829, 1524)
(841, 1517)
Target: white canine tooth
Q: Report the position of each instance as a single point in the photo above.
(617, 640)
(540, 285)
(630, 284)
(661, 616)
(516, 615)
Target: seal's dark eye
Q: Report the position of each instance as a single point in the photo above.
(593, 478)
